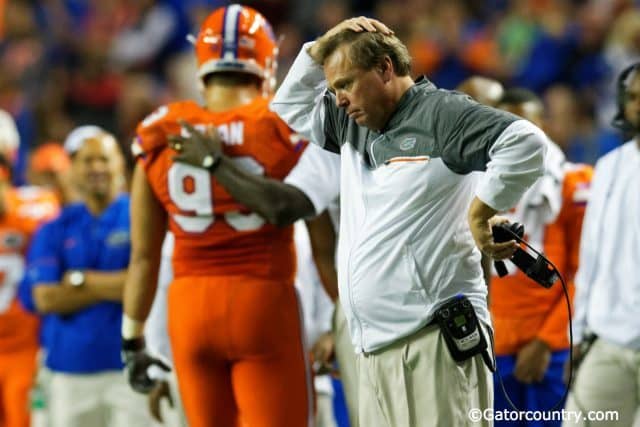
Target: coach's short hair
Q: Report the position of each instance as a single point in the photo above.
(367, 49)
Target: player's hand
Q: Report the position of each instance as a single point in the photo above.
(481, 218)
(577, 358)
(323, 352)
(137, 363)
(199, 149)
(532, 362)
(158, 392)
(357, 24)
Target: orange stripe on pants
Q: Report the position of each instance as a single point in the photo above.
(238, 352)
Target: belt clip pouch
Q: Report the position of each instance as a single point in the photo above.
(461, 330)
(584, 346)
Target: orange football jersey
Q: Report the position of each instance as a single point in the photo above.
(522, 309)
(27, 208)
(214, 234)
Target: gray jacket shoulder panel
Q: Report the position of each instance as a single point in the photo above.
(441, 123)
(466, 130)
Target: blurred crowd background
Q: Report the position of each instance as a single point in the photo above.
(110, 62)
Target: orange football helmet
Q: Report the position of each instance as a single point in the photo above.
(237, 38)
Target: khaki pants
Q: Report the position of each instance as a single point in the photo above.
(346, 356)
(172, 416)
(324, 411)
(608, 380)
(415, 382)
(96, 400)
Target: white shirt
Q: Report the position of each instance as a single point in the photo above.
(405, 246)
(607, 283)
(317, 174)
(540, 205)
(317, 307)
(156, 327)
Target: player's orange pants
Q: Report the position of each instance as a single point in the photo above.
(17, 376)
(237, 345)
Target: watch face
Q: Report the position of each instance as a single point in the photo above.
(76, 278)
(207, 162)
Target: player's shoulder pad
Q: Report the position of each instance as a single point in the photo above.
(152, 132)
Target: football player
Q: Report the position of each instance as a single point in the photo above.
(234, 319)
(21, 211)
(531, 322)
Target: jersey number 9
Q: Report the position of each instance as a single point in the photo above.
(196, 198)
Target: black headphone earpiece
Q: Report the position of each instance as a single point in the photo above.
(619, 121)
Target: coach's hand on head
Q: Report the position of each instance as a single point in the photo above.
(480, 218)
(199, 149)
(359, 24)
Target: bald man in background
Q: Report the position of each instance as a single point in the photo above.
(76, 267)
(485, 90)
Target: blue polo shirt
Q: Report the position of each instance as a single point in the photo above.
(88, 340)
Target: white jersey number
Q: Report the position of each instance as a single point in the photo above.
(190, 190)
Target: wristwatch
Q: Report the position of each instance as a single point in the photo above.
(210, 162)
(76, 278)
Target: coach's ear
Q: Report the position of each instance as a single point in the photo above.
(385, 68)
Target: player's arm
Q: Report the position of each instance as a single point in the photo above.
(148, 228)
(323, 247)
(279, 203)
(569, 225)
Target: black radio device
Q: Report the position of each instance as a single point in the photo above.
(461, 330)
(538, 269)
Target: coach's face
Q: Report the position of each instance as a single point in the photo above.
(632, 102)
(98, 166)
(362, 93)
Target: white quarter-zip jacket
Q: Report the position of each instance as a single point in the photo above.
(405, 246)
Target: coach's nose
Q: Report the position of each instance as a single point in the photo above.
(342, 101)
